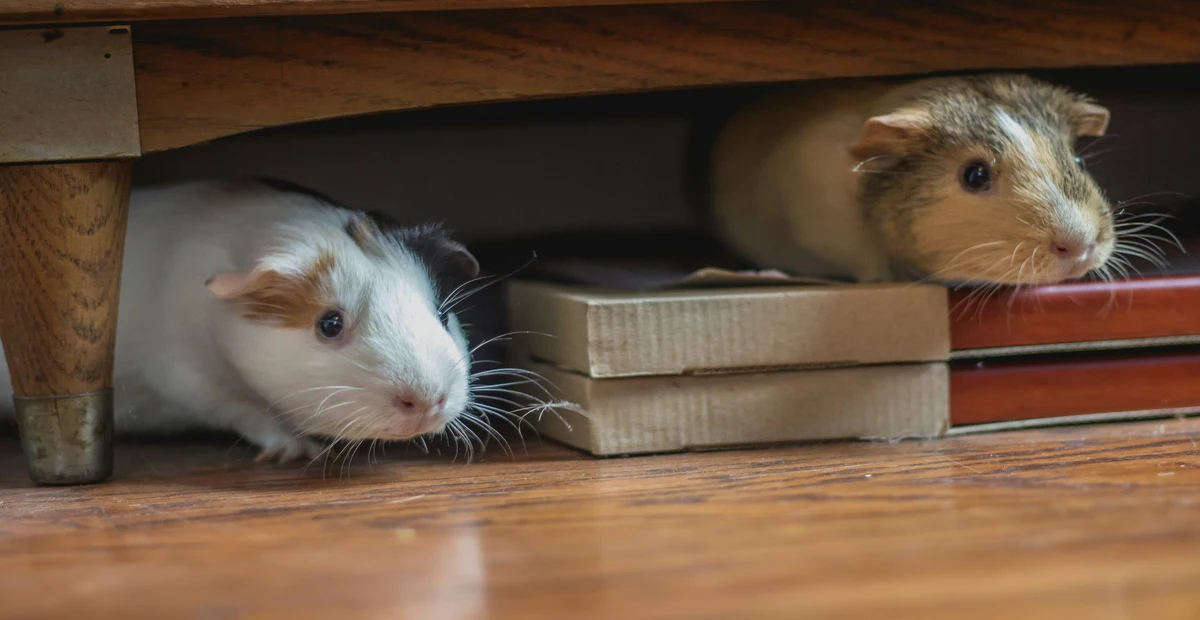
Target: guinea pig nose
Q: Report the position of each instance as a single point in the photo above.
(409, 403)
(1072, 250)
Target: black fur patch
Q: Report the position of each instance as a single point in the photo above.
(448, 261)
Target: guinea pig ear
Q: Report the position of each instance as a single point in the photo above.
(233, 284)
(889, 134)
(459, 260)
(1090, 119)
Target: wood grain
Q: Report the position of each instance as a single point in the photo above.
(1161, 307)
(40, 12)
(67, 94)
(1073, 523)
(201, 80)
(62, 233)
(1003, 390)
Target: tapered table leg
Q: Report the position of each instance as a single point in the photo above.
(62, 235)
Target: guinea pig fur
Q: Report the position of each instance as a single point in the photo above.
(949, 179)
(284, 318)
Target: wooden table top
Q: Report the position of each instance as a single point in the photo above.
(76, 11)
(1083, 522)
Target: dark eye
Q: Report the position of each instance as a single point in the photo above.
(445, 318)
(976, 177)
(1079, 162)
(330, 325)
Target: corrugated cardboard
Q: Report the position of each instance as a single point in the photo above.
(607, 332)
(668, 414)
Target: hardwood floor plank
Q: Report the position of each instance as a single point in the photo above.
(1092, 522)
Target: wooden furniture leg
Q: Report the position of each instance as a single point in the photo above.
(62, 234)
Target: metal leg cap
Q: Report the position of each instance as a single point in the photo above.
(67, 439)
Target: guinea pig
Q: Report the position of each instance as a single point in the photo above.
(967, 179)
(255, 307)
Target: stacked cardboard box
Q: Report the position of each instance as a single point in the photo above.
(717, 359)
(660, 362)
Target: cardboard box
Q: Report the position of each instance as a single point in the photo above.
(662, 361)
(607, 333)
(642, 415)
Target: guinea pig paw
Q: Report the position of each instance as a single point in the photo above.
(290, 451)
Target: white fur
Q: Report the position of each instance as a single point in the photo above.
(186, 359)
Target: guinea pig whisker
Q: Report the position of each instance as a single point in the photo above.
(1013, 259)
(504, 416)
(1143, 244)
(1151, 238)
(535, 381)
(1097, 141)
(1129, 251)
(1122, 266)
(1139, 233)
(859, 167)
(305, 391)
(452, 429)
(494, 280)
(514, 372)
(1092, 157)
(484, 391)
(466, 435)
(1137, 227)
(326, 451)
(357, 364)
(468, 417)
(1021, 272)
(451, 295)
(319, 411)
(504, 338)
(1154, 194)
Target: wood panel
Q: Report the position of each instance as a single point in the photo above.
(67, 94)
(1005, 390)
(1078, 312)
(1076, 523)
(205, 79)
(68, 11)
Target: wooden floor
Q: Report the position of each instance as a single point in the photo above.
(1097, 523)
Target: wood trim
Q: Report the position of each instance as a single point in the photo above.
(1078, 312)
(19, 12)
(998, 391)
(201, 80)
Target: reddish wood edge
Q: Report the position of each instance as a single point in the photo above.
(1002, 391)
(1078, 312)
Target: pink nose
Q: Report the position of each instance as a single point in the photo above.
(1070, 250)
(412, 404)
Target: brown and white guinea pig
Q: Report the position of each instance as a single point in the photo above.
(261, 309)
(950, 179)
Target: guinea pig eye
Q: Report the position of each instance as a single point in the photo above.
(444, 317)
(1079, 162)
(976, 176)
(330, 325)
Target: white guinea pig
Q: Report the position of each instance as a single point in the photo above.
(260, 308)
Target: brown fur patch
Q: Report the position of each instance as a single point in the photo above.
(364, 232)
(293, 302)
